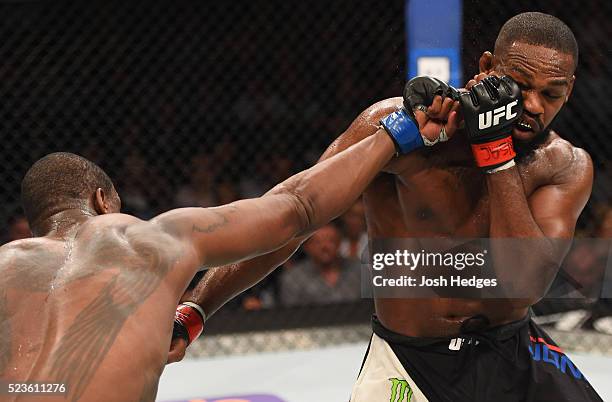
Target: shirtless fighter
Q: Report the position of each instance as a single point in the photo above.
(464, 349)
(86, 306)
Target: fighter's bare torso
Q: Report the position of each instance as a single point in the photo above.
(83, 294)
(437, 192)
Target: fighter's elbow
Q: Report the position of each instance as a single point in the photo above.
(306, 212)
(302, 212)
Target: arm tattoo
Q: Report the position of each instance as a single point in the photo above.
(220, 222)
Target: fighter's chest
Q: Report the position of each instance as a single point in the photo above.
(433, 198)
(444, 201)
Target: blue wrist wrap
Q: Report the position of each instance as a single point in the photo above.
(403, 130)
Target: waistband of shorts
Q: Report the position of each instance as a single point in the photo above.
(500, 332)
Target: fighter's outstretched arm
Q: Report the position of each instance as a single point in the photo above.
(295, 207)
(222, 284)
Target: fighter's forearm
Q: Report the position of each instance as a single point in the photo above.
(328, 188)
(524, 258)
(510, 215)
(220, 285)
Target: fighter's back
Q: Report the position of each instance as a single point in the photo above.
(73, 307)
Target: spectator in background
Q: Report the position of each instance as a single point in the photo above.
(254, 183)
(135, 185)
(605, 229)
(225, 192)
(355, 238)
(18, 228)
(602, 310)
(198, 192)
(324, 277)
(578, 296)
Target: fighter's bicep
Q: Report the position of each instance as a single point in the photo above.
(556, 207)
(236, 231)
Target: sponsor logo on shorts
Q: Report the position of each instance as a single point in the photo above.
(542, 351)
(400, 390)
(455, 344)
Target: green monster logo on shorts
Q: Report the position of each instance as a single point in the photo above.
(400, 390)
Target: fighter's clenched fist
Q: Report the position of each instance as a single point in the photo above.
(490, 109)
(429, 115)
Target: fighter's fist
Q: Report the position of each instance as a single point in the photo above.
(490, 109)
(178, 347)
(188, 325)
(430, 115)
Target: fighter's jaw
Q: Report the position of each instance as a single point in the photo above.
(526, 129)
(523, 135)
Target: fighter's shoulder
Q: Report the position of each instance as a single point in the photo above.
(116, 231)
(122, 228)
(23, 246)
(382, 108)
(363, 126)
(16, 253)
(131, 226)
(106, 226)
(568, 161)
(8, 252)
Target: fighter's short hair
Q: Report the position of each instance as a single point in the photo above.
(538, 29)
(60, 181)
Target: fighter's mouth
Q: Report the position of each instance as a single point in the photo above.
(526, 124)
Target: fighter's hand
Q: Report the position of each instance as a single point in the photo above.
(477, 78)
(430, 115)
(439, 121)
(491, 107)
(188, 325)
(178, 347)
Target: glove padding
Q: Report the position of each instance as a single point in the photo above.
(188, 322)
(421, 91)
(490, 110)
(402, 125)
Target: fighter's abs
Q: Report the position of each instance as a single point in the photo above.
(432, 199)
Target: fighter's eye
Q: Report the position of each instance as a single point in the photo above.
(552, 96)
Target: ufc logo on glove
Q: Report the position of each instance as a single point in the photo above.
(491, 118)
(491, 108)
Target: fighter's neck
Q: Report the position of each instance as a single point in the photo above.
(62, 223)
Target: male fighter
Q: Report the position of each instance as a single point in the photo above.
(471, 186)
(86, 306)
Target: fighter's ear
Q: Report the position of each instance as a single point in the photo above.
(100, 202)
(485, 63)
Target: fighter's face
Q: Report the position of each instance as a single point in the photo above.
(546, 78)
(323, 246)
